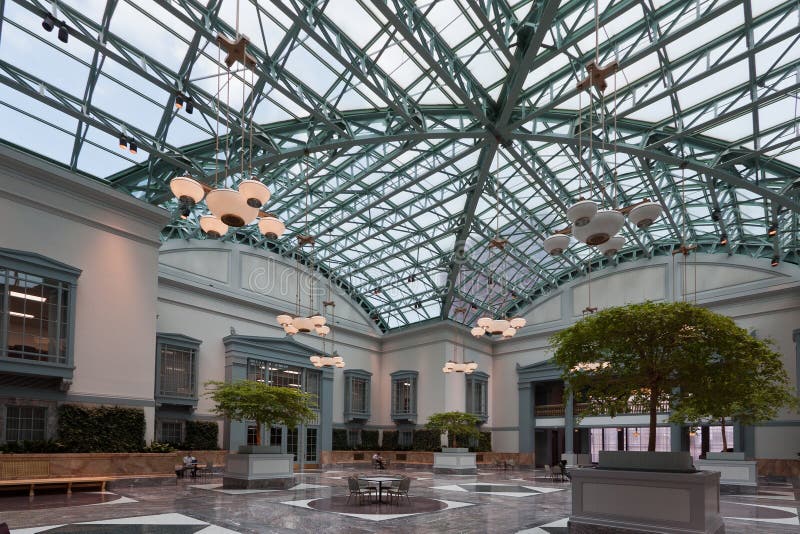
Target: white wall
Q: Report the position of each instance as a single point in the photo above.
(114, 240)
(207, 288)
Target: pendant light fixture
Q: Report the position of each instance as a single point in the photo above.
(314, 322)
(492, 325)
(325, 360)
(453, 365)
(588, 222)
(240, 203)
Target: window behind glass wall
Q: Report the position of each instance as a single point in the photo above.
(171, 432)
(177, 371)
(404, 395)
(36, 317)
(25, 423)
(358, 402)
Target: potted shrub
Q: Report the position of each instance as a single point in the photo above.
(247, 400)
(650, 354)
(268, 406)
(456, 425)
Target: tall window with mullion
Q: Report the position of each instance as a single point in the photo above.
(478, 394)
(176, 363)
(404, 395)
(357, 384)
(36, 316)
(25, 423)
(177, 371)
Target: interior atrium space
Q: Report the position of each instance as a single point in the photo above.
(414, 265)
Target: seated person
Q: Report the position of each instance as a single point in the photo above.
(190, 462)
(377, 459)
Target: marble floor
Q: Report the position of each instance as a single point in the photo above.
(491, 501)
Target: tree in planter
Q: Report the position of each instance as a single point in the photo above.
(650, 354)
(249, 400)
(464, 425)
(747, 383)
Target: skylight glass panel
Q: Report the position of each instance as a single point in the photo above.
(157, 33)
(28, 132)
(354, 22)
(37, 57)
(100, 155)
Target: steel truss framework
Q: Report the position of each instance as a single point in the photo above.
(426, 127)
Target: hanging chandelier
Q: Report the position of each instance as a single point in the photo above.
(459, 367)
(454, 366)
(587, 222)
(505, 327)
(334, 360)
(240, 204)
(297, 323)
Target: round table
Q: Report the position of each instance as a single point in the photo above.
(380, 480)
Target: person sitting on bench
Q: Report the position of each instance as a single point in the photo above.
(377, 459)
(190, 463)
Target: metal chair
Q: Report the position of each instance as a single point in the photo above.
(557, 473)
(356, 488)
(548, 473)
(402, 489)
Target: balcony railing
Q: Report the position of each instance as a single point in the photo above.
(550, 410)
(633, 409)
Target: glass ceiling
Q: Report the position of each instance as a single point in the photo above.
(425, 127)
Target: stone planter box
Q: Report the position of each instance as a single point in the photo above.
(739, 473)
(458, 463)
(646, 461)
(257, 471)
(605, 500)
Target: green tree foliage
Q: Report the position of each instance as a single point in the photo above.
(745, 383)
(458, 425)
(651, 353)
(249, 400)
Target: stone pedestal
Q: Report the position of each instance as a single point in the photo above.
(258, 471)
(605, 501)
(455, 463)
(740, 475)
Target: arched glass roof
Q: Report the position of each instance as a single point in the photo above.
(419, 122)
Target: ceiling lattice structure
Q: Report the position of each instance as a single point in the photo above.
(417, 123)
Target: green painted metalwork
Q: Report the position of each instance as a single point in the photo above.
(417, 120)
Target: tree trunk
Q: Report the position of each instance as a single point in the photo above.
(724, 438)
(258, 433)
(651, 439)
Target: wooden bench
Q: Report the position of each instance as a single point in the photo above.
(62, 482)
(31, 473)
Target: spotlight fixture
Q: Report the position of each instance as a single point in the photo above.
(474, 306)
(773, 230)
(189, 106)
(48, 23)
(715, 215)
(417, 305)
(63, 32)
(775, 260)
(132, 147)
(178, 101)
(723, 239)
(123, 142)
